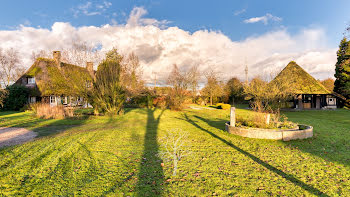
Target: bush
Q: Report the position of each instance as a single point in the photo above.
(143, 100)
(223, 106)
(17, 97)
(258, 120)
(45, 111)
(200, 100)
(108, 94)
(175, 102)
(3, 95)
(160, 102)
(347, 104)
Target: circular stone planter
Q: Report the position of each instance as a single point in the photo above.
(301, 132)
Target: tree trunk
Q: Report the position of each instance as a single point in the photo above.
(175, 166)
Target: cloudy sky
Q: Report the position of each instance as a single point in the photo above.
(223, 35)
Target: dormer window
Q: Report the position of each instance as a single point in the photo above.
(31, 80)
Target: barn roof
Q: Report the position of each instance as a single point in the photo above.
(299, 81)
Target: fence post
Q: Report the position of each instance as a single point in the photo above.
(233, 117)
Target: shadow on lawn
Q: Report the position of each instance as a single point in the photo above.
(151, 175)
(286, 176)
(330, 146)
(331, 134)
(41, 127)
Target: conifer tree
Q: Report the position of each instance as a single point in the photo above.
(342, 70)
(108, 95)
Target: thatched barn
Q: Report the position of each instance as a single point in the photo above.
(307, 92)
(55, 82)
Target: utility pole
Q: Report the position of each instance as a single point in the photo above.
(155, 79)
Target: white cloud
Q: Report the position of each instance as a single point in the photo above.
(88, 9)
(238, 12)
(27, 22)
(158, 48)
(265, 19)
(135, 19)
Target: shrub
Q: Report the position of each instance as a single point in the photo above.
(223, 106)
(200, 100)
(45, 111)
(347, 104)
(160, 102)
(258, 120)
(3, 95)
(175, 102)
(17, 97)
(108, 94)
(142, 100)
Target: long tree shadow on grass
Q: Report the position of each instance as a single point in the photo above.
(286, 176)
(42, 127)
(151, 175)
(331, 134)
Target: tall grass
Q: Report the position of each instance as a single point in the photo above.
(45, 111)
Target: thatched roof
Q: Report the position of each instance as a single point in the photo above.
(51, 79)
(299, 81)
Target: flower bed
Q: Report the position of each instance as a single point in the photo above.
(301, 132)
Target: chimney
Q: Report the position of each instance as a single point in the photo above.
(90, 68)
(57, 58)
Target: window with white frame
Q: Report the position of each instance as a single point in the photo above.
(32, 99)
(52, 99)
(31, 80)
(64, 100)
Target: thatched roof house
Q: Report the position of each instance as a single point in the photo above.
(56, 82)
(307, 91)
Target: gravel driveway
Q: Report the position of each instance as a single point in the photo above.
(11, 136)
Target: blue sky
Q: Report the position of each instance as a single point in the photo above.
(224, 35)
(225, 15)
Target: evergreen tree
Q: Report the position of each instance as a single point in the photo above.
(15, 97)
(108, 95)
(342, 70)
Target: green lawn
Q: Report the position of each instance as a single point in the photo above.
(104, 156)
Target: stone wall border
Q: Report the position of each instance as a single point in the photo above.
(273, 134)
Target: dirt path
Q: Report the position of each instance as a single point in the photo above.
(11, 136)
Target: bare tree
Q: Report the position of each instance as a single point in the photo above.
(179, 83)
(41, 53)
(268, 97)
(132, 74)
(213, 88)
(10, 68)
(78, 54)
(193, 77)
(174, 147)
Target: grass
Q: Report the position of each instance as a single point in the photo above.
(106, 156)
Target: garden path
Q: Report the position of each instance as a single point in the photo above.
(13, 135)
